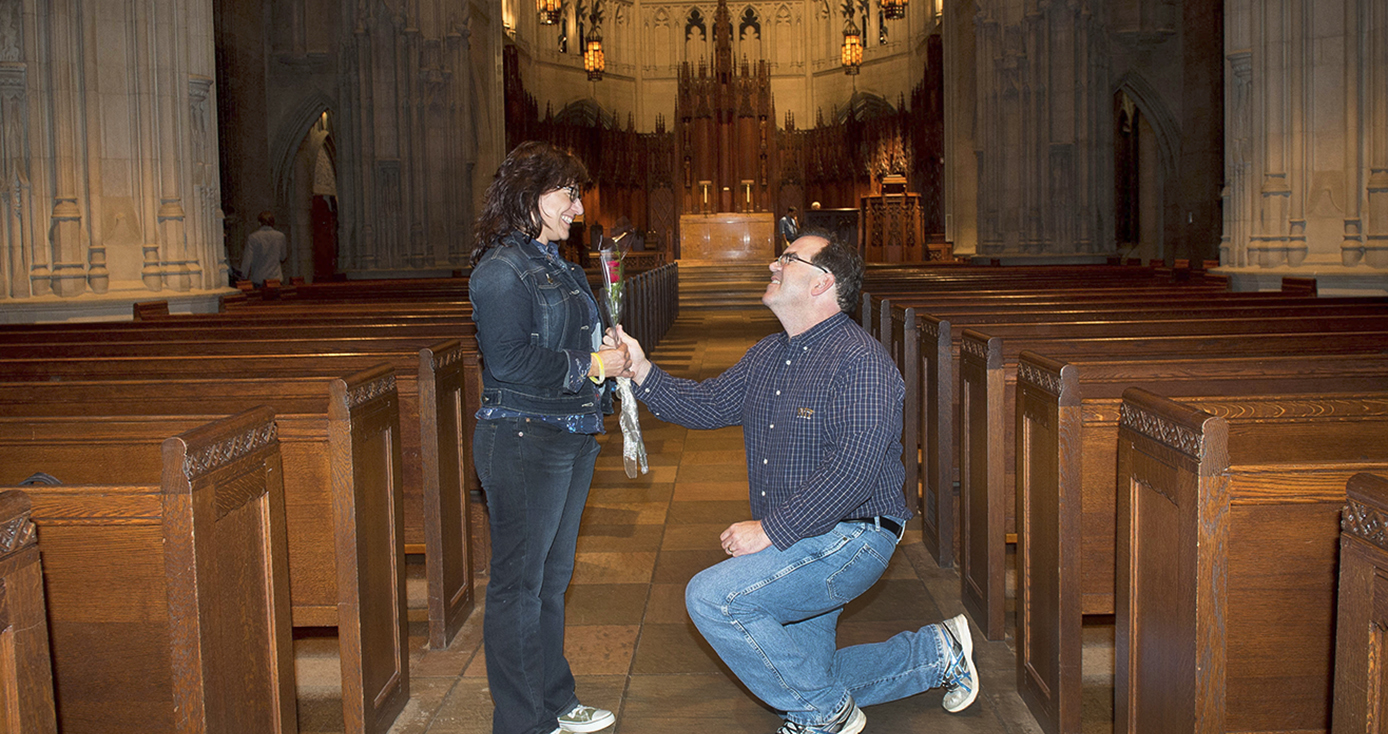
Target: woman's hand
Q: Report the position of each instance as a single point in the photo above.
(612, 361)
(640, 366)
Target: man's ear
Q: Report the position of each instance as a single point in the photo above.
(821, 286)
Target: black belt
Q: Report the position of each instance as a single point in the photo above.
(886, 523)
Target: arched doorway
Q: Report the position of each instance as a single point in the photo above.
(1143, 164)
(309, 194)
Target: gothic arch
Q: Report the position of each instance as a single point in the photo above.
(285, 144)
(863, 106)
(1158, 115)
(586, 112)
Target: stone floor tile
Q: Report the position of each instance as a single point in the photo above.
(702, 491)
(600, 649)
(680, 704)
(674, 649)
(623, 604)
(709, 511)
(729, 473)
(613, 568)
(627, 491)
(619, 537)
(699, 537)
(665, 605)
(677, 567)
(602, 510)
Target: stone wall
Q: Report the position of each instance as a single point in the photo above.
(108, 142)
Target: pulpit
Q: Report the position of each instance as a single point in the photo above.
(894, 227)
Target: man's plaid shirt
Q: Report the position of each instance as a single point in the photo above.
(821, 416)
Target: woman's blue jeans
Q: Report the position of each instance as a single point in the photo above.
(772, 616)
(536, 477)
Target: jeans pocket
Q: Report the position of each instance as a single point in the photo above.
(483, 443)
(857, 575)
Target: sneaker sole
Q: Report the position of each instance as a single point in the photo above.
(966, 641)
(596, 725)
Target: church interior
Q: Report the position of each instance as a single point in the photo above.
(1130, 257)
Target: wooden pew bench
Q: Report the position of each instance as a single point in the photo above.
(26, 673)
(1067, 428)
(987, 462)
(339, 440)
(1228, 539)
(167, 580)
(926, 351)
(932, 322)
(437, 387)
(986, 444)
(1362, 614)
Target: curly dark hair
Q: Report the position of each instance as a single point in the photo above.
(512, 202)
(841, 260)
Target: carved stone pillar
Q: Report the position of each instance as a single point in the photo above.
(68, 256)
(1374, 16)
(22, 275)
(1238, 126)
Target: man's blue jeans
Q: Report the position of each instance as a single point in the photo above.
(537, 479)
(772, 617)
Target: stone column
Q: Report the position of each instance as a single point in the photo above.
(1373, 14)
(25, 263)
(69, 276)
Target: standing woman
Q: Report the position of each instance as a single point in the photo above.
(543, 400)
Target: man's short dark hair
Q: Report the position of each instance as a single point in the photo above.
(841, 260)
(267, 218)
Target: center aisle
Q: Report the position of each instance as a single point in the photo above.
(630, 642)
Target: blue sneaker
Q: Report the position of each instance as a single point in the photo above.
(961, 679)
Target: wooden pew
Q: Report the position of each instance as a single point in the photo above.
(1227, 546)
(342, 477)
(436, 387)
(926, 350)
(167, 582)
(1066, 439)
(987, 496)
(1362, 613)
(26, 675)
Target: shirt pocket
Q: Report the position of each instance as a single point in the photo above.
(552, 317)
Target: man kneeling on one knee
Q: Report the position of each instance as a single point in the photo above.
(820, 407)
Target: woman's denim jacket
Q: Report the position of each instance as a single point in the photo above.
(532, 317)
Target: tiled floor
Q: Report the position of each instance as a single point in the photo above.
(630, 641)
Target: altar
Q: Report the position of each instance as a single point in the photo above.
(728, 237)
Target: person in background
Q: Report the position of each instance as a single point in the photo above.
(544, 373)
(820, 407)
(788, 227)
(265, 250)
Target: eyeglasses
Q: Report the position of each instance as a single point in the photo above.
(787, 258)
(573, 191)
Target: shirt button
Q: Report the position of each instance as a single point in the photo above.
(773, 425)
(778, 392)
(763, 461)
(787, 361)
(763, 493)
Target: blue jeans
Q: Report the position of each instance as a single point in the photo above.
(772, 617)
(536, 478)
